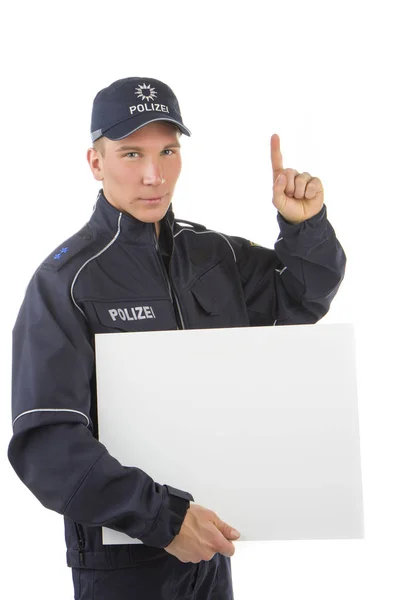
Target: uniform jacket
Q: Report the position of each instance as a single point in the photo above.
(115, 276)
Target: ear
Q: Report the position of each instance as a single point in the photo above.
(94, 159)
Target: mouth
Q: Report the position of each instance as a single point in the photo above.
(153, 200)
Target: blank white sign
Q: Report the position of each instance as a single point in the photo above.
(259, 424)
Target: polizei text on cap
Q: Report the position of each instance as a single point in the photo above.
(148, 108)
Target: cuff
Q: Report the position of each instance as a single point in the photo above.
(308, 233)
(170, 518)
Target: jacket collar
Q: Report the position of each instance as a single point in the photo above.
(108, 219)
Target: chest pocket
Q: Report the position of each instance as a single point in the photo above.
(130, 315)
(217, 299)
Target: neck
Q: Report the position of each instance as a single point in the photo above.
(157, 226)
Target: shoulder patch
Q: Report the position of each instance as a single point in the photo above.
(253, 244)
(71, 247)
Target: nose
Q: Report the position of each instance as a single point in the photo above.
(153, 174)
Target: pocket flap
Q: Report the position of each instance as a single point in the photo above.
(203, 297)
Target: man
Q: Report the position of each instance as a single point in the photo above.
(133, 267)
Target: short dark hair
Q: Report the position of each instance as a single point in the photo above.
(98, 145)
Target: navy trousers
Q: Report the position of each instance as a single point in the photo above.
(165, 578)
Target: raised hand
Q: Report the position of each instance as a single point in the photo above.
(296, 196)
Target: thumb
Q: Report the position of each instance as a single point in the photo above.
(278, 191)
(233, 535)
(280, 182)
(227, 531)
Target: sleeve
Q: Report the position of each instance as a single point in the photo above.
(53, 449)
(296, 282)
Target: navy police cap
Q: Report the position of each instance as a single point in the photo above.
(130, 103)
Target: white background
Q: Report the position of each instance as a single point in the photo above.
(324, 76)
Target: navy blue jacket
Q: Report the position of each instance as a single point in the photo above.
(115, 276)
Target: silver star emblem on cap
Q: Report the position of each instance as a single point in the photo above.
(141, 92)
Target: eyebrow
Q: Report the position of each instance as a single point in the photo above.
(123, 148)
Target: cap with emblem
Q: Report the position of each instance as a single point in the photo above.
(128, 104)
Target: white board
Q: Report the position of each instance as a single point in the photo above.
(259, 424)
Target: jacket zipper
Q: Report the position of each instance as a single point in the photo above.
(173, 289)
(81, 544)
(172, 293)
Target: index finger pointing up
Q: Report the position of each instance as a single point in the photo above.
(276, 156)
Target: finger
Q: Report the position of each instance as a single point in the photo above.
(276, 156)
(224, 531)
(301, 182)
(223, 546)
(290, 181)
(314, 187)
(227, 530)
(233, 535)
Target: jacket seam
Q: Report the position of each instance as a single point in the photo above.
(210, 231)
(156, 519)
(110, 243)
(81, 482)
(263, 277)
(107, 300)
(304, 283)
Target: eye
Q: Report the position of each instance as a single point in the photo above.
(166, 150)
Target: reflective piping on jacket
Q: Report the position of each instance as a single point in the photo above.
(90, 259)
(216, 232)
(183, 224)
(280, 271)
(51, 410)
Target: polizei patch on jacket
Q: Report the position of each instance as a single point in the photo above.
(132, 313)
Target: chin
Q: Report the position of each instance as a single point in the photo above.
(151, 216)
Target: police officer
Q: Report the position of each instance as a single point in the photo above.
(134, 267)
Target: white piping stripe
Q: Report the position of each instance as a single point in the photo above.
(216, 232)
(279, 240)
(182, 224)
(280, 271)
(160, 119)
(275, 321)
(90, 259)
(27, 412)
